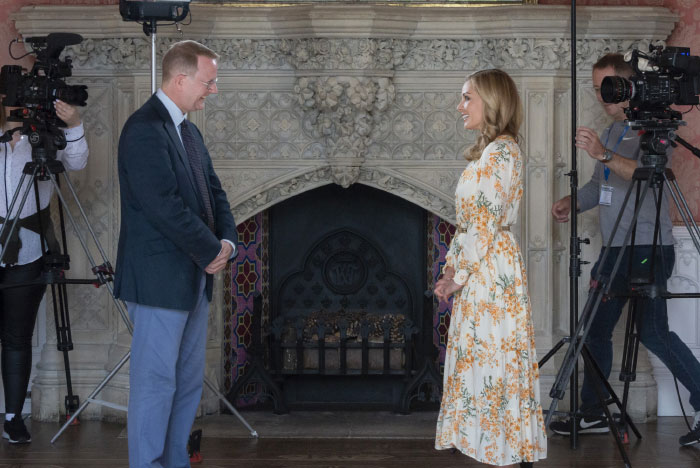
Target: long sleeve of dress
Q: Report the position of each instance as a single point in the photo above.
(482, 212)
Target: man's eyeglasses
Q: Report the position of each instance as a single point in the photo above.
(211, 84)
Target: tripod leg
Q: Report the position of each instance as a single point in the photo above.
(629, 362)
(4, 232)
(577, 341)
(552, 352)
(613, 396)
(684, 210)
(98, 270)
(55, 270)
(64, 341)
(611, 422)
(220, 396)
(97, 390)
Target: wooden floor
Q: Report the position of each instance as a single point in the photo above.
(99, 444)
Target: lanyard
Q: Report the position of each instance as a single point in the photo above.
(606, 170)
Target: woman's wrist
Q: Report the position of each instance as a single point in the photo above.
(460, 277)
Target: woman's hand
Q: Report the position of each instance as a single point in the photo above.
(69, 114)
(446, 287)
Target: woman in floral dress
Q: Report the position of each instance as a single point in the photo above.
(490, 406)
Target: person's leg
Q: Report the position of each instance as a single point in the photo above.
(599, 339)
(18, 308)
(189, 378)
(665, 344)
(154, 352)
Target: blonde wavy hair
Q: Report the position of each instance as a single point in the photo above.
(503, 111)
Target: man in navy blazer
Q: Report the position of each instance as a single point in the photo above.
(177, 230)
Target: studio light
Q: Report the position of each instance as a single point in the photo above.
(154, 10)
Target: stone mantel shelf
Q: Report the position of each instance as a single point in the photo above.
(358, 21)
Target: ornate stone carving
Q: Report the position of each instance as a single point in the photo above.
(237, 182)
(444, 180)
(434, 202)
(359, 54)
(342, 111)
(345, 175)
(282, 191)
(345, 54)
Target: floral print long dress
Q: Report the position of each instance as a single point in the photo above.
(490, 406)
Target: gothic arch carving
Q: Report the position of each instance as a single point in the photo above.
(256, 200)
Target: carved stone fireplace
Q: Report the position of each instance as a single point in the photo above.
(347, 277)
(318, 94)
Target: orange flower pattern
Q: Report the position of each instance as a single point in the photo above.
(490, 406)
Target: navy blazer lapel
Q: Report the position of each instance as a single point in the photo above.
(170, 129)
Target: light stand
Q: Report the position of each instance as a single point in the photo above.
(569, 369)
(574, 245)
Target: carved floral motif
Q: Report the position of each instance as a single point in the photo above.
(358, 54)
(342, 110)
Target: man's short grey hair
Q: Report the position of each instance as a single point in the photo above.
(182, 57)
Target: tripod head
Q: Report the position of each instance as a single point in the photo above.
(654, 143)
(45, 138)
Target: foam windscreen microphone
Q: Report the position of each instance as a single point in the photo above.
(54, 42)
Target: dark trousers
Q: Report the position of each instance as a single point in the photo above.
(652, 322)
(18, 309)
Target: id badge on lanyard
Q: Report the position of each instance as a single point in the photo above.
(606, 190)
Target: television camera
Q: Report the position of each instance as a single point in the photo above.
(662, 78)
(32, 94)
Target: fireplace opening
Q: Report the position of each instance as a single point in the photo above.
(348, 324)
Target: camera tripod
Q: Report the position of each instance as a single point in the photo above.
(54, 262)
(654, 176)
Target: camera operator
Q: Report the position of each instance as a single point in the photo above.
(617, 152)
(23, 258)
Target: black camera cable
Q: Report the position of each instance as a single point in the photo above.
(9, 50)
(77, 139)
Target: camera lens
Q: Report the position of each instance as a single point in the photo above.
(616, 89)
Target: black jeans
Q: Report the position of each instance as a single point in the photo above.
(18, 308)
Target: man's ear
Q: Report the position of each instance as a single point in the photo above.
(179, 80)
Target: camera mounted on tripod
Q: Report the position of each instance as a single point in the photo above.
(33, 94)
(662, 78)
